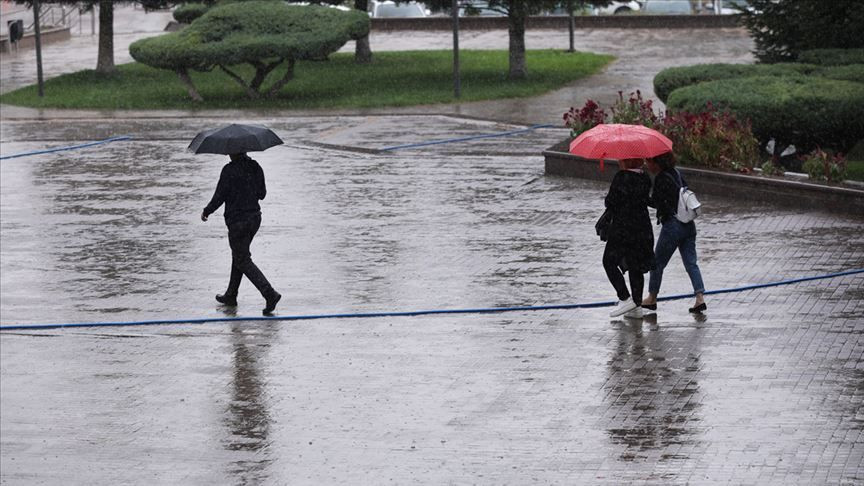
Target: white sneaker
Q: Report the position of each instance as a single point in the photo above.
(623, 307)
(636, 313)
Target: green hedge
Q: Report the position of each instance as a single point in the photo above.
(852, 72)
(670, 79)
(832, 57)
(188, 12)
(805, 111)
(251, 32)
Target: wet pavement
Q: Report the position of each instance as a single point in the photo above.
(767, 388)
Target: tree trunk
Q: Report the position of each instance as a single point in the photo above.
(251, 93)
(571, 26)
(190, 87)
(362, 51)
(261, 72)
(289, 75)
(105, 58)
(516, 18)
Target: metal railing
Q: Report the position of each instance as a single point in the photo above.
(51, 15)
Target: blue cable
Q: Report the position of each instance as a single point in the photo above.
(481, 310)
(463, 139)
(73, 147)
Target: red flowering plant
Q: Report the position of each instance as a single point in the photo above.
(823, 166)
(634, 110)
(712, 139)
(589, 116)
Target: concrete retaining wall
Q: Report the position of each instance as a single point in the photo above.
(550, 22)
(562, 22)
(779, 191)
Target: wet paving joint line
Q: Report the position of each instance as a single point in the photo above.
(358, 315)
(466, 139)
(72, 147)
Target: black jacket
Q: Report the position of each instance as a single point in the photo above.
(240, 187)
(664, 194)
(631, 239)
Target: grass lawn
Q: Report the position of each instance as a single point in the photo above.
(393, 79)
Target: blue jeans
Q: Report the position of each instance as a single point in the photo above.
(681, 236)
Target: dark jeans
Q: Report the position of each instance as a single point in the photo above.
(681, 236)
(240, 235)
(637, 280)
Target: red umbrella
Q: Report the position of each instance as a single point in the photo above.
(618, 141)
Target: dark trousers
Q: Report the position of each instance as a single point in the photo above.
(240, 235)
(637, 280)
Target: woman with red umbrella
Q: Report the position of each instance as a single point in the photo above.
(630, 239)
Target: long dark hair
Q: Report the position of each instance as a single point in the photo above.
(666, 161)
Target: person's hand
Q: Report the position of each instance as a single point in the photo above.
(204, 217)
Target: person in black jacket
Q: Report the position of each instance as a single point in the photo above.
(673, 234)
(630, 243)
(241, 185)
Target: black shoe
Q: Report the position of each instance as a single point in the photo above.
(226, 299)
(272, 300)
(699, 308)
(650, 306)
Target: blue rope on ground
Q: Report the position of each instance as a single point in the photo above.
(73, 147)
(463, 139)
(486, 310)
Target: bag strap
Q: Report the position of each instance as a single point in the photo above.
(679, 181)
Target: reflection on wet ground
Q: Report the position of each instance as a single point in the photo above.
(766, 389)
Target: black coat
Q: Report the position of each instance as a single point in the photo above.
(664, 195)
(631, 239)
(240, 186)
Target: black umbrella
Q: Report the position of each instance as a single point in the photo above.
(234, 139)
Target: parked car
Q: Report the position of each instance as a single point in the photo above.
(667, 7)
(731, 7)
(390, 9)
(306, 4)
(613, 8)
(617, 8)
(481, 9)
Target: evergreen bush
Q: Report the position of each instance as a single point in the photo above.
(670, 79)
(188, 12)
(804, 111)
(783, 30)
(832, 57)
(263, 33)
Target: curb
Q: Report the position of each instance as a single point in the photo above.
(783, 192)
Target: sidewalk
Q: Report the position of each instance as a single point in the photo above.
(765, 389)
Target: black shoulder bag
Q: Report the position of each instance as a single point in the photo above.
(602, 226)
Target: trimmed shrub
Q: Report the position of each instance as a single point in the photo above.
(670, 79)
(807, 112)
(263, 33)
(832, 57)
(188, 12)
(852, 72)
